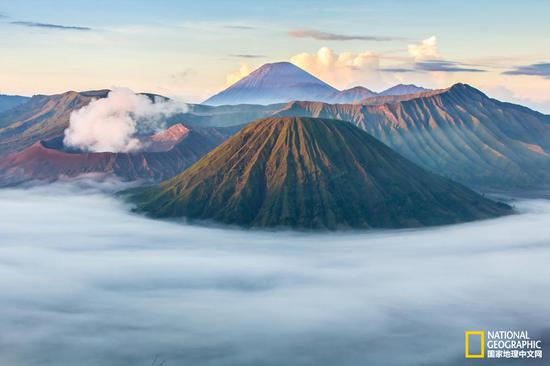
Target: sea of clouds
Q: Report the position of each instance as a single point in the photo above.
(85, 282)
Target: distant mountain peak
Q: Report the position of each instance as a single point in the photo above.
(403, 89)
(271, 83)
(277, 67)
(351, 95)
(465, 88)
(279, 73)
(358, 88)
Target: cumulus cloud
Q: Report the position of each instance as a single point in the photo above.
(114, 123)
(341, 69)
(84, 282)
(425, 50)
(539, 69)
(244, 70)
(327, 36)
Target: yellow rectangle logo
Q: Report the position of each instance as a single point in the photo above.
(467, 335)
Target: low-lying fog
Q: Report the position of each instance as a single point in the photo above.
(85, 282)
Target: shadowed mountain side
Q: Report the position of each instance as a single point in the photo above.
(8, 102)
(49, 160)
(314, 174)
(458, 132)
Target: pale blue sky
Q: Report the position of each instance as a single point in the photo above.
(188, 48)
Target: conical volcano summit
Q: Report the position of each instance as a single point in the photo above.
(312, 173)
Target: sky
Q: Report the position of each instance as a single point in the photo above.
(192, 50)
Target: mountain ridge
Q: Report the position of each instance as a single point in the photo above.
(458, 132)
(281, 82)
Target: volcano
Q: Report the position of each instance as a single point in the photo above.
(274, 83)
(313, 174)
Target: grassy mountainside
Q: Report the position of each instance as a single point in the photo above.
(312, 173)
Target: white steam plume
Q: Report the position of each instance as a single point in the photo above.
(113, 123)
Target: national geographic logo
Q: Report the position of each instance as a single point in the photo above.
(501, 344)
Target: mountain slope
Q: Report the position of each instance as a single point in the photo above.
(274, 83)
(11, 101)
(42, 117)
(457, 132)
(312, 173)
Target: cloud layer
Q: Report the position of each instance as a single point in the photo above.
(247, 55)
(114, 123)
(84, 282)
(327, 36)
(435, 66)
(540, 69)
(51, 26)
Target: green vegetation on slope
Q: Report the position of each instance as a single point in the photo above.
(312, 173)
